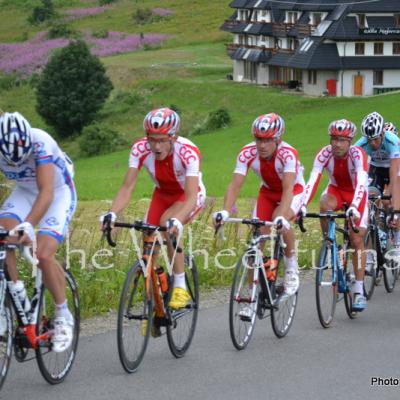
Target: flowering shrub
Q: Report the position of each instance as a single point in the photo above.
(30, 56)
(85, 12)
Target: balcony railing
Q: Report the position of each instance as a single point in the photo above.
(232, 47)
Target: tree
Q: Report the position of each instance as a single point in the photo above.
(72, 89)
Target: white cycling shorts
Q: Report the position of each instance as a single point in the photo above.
(58, 216)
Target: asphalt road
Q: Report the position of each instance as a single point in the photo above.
(310, 363)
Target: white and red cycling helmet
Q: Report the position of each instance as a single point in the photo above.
(162, 121)
(343, 128)
(268, 126)
(15, 138)
(390, 127)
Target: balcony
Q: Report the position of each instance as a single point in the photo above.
(232, 47)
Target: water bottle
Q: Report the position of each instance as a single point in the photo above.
(163, 279)
(382, 238)
(17, 290)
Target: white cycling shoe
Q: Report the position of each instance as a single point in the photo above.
(291, 282)
(63, 334)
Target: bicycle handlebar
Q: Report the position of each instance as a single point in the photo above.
(327, 214)
(139, 226)
(25, 250)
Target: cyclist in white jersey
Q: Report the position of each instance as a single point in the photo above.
(44, 197)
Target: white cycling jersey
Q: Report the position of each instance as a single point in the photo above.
(45, 151)
(169, 174)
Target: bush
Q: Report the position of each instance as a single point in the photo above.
(72, 89)
(121, 102)
(218, 119)
(8, 81)
(144, 16)
(99, 139)
(42, 13)
(100, 33)
(60, 30)
(105, 2)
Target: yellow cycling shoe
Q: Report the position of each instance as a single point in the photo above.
(180, 298)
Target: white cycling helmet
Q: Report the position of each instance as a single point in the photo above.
(372, 125)
(15, 138)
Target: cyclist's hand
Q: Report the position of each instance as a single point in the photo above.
(282, 221)
(109, 217)
(392, 221)
(220, 217)
(303, 211)
(29, 234)
(175, 227)
(352, 211)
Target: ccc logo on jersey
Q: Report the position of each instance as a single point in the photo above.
(247, 154)
(141, 148)
(187, 154)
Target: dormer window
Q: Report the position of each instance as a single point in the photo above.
(361, 21)
(316, 18)
(397, 20)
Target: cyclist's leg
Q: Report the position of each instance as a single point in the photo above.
(330, 201)
(14, 211)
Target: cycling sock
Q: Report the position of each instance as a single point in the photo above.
(63, 311)
(358, 287)
(179, 281)
(291, 263)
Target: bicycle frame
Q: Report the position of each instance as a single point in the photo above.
(26, 320)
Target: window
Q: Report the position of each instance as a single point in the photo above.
(361, 21)
(396, 48)
(397, 19)
(378, 77)
(312, 77)
(360, 49)
(317, 18)
(292, 17)
(277, 43)
(378, 48)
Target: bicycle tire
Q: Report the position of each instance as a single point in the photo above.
(390, 274)
(326, 294)
(53, 366)
(350, 279)
(6, 335)
(182, 326)
(135, 307)
(241, 328)
(371, 263)
(282, 317)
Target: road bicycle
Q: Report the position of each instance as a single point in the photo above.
(257, 289)
(144, 304)
(23, 331)
(334, 275)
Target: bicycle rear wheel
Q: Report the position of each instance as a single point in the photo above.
(135, 315)
(6, 334)
(283, 315)
(325, 289)
(56, 366)
(180, 330)
(390, 271)
(371, 263)
(243, 302)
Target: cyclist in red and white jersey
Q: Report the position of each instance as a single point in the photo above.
(281, 193)
(347, 167)
(173, 163)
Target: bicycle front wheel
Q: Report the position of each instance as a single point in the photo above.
(371, 263)
(56, 366)
(6, 334)
(182, 325)
(134, 319)
(325, 287)
(282, 314)
(390, 272)
(243, 303)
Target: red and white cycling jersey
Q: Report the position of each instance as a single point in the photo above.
(349, 174)
(169, 174)
(270, 171)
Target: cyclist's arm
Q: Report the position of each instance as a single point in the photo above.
(233, 191)
(288, 181)
(124, 194)
(394, 186)
(191, 191)
(361, 164)
(45, 184)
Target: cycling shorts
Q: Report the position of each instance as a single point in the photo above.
(57, 218)
(162, 201)
(267, 202)
(344, 199)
